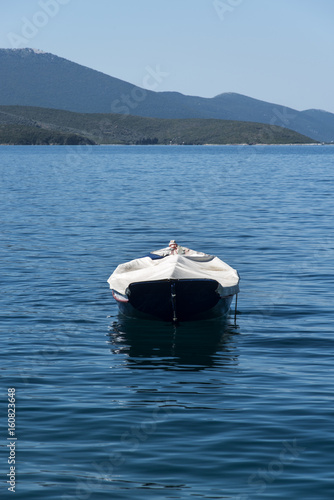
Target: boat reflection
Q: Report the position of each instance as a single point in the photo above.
(189, 345)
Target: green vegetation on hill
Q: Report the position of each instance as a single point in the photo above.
(28, 135)
(29, 125)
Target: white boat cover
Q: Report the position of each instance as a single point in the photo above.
(188, 264)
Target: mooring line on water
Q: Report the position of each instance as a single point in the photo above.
(173, 296)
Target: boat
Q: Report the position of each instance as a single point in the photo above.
(174, 284)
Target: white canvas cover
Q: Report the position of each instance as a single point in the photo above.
(189, 265)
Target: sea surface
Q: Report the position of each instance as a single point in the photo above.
(112, 408)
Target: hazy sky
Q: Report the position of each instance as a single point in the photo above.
(279, 51)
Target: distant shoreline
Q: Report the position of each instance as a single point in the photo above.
(165, 145)
(25, 125)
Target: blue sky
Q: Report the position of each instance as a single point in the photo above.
(279, 51)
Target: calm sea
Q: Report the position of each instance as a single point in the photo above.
(108, 408)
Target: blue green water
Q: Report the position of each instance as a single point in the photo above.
(114, 408)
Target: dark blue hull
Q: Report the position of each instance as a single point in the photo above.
(174, 300)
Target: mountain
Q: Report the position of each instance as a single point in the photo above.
(35, 78)
(32, 125)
